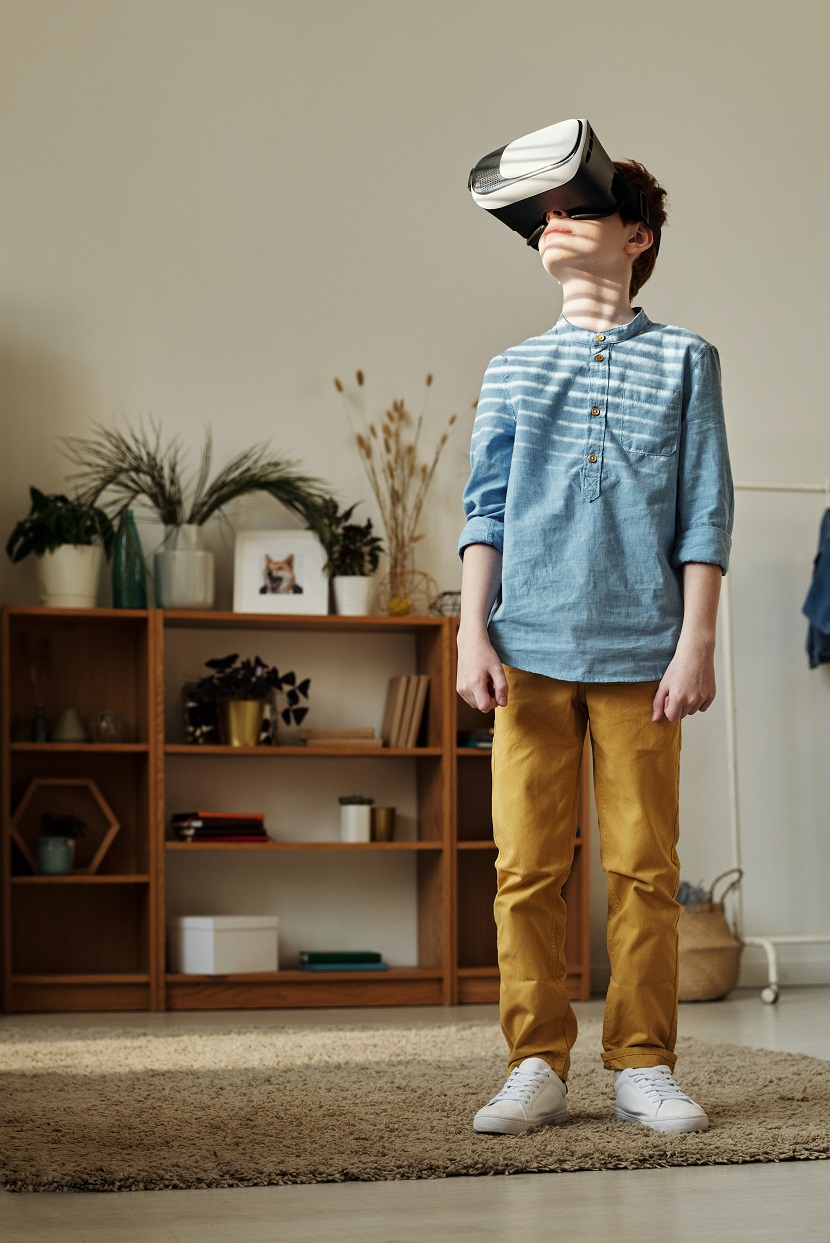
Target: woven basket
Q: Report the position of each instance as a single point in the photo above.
(709, 952)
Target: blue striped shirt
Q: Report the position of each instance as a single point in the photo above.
(599, 465)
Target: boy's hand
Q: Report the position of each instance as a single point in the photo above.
(689, 682)
(481, 682)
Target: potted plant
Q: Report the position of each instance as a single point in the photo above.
(355, 817)
(56, 844)
(241, 689)
(353, 552)
(68, 538)
(126, 466)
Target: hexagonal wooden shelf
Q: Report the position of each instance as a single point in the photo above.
(75, 795)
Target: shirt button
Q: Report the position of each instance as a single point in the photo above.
(598, 357)
(592, 457)
(600, 336)
(594, 409)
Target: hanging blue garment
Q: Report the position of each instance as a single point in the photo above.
(817, 605)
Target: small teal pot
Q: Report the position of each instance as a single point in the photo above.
(55, 855)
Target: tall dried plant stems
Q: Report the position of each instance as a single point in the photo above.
(400, 483)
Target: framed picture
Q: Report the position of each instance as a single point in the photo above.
(279, 572)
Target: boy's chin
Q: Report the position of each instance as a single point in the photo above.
(563, 270)
(556, 270)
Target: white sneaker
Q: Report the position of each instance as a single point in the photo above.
(649, 1094)
(533, 1095)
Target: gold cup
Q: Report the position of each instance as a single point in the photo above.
(241, 721)
(383, 824)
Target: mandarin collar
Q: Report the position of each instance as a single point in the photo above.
(589, 336)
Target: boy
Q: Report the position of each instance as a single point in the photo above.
(599, 522)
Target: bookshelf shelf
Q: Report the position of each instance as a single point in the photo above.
(96, 878)
(193, 847)
(309, 989)
(79, 748)
(309, 977)
(98, 977)
(193, 751)
(304, 622)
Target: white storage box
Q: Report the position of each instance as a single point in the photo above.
(223, 944)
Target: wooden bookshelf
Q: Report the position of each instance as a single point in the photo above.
(97, 942)
(84, 941)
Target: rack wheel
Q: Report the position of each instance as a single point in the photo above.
(769, 995)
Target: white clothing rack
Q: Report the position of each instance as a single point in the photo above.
(769, 993)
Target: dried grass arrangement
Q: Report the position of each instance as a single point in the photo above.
(400, 482)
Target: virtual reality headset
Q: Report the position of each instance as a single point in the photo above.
(563, 166)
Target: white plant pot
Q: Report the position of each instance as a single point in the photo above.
(356, 822)
(68, 576)
(184, 570)
(353, 594)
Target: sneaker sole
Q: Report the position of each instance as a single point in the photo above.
(515, 1126)
(672, 1126)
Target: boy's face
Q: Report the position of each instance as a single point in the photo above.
(597, 249)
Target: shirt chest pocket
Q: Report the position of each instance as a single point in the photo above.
(650, 423)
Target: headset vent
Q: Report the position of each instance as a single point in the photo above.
(486, 181)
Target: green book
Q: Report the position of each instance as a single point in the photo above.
(339, 956)
(343, 966)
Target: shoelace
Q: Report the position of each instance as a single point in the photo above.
(520, 1085)
(658, 1084)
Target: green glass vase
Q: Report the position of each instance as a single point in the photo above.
(129, 576)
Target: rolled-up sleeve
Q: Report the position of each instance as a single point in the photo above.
(491, 451)
(705, 496)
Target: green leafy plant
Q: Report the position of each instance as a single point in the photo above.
(351, 548)
(60, 824)
(126, 466)
(233, 678)
(55, 520)
(355, 798)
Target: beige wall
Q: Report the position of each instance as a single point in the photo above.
(210, 208)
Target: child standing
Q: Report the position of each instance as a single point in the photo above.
(599, 521)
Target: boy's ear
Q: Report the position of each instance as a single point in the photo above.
(639, 238)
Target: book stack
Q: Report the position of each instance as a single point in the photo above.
(404, 711)
(360, 736)
(218, 826)
(341, 960)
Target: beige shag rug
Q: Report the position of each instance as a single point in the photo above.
(115, 1109)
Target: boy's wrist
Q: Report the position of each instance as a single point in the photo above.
(472, 631)
(698, 637)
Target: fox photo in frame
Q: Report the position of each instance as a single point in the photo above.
(279, 572)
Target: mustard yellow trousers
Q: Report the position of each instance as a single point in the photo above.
(538, 742)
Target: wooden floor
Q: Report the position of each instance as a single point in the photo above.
(782, 1202)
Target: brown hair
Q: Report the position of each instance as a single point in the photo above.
(641, 178)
